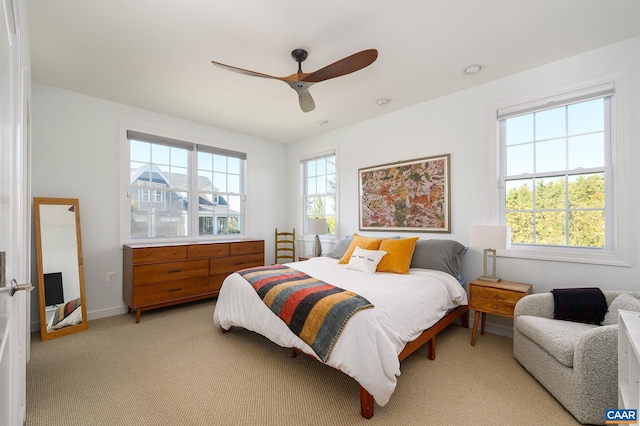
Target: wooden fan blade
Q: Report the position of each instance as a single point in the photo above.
(243, 71)
(306, 101)
(344, 66)
(304, 97)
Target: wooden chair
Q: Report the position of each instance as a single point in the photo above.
(285, 246)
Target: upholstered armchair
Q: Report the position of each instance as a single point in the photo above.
(576, 362)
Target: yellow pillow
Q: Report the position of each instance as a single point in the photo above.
(399, 254)
(363, 243)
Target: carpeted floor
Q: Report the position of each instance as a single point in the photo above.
(175, 368)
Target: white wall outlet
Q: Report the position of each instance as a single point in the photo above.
(111, 277)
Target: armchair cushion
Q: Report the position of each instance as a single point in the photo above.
(624, 301)
(557, 337)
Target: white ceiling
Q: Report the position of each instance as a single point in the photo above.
(156, 54)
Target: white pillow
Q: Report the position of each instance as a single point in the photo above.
(365, 260)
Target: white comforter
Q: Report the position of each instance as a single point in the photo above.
(368, 348)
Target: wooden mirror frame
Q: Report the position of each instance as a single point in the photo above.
(73, 203)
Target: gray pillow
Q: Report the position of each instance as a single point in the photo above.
(441, 255)
(339, 249)
(624, 301)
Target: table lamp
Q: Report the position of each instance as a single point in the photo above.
(318, 227)
(491, 238)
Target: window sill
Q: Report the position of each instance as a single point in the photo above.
(591, 256)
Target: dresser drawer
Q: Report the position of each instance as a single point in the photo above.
(246, 247)
(215, 282)
(227, 265)
(169, 271)
(169, 291)
(495, 294)
(208, 250)
(493, 307)
(159, 254)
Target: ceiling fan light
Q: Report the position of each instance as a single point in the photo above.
(383, 101)
(322, 122)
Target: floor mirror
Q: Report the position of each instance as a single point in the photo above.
(60, 269)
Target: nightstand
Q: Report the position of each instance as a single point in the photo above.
(499, 298)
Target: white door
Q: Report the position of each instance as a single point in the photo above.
(14, 216)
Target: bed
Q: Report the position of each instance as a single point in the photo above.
(408, 311)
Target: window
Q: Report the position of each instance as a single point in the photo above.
(319, 189)
(556, 174)
(165, 174)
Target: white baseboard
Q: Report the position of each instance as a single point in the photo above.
(499, 329)
(110, 312)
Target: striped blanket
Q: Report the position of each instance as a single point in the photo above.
(314, 310)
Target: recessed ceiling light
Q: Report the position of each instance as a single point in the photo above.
(473, 69)
(382, 101)
(322, 122)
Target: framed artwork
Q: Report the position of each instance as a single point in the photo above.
(406, 196)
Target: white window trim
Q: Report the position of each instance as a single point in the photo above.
(124, 203)
(620, 255)
(322, 152)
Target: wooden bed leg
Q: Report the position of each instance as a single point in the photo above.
(464, 318)
(431, 348)
(223, 330)
(366, 403)
(293, 353)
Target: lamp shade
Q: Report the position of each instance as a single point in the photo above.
(492, 237)
(317, 226)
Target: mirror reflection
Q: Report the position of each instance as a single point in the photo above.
(60, 269)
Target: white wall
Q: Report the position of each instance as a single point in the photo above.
(461, 124)
(75, 154)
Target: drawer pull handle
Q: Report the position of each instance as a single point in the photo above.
(495, 306)
(173, 271)
(175, 289)
(495, 295)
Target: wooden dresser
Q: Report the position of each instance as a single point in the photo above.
(156, 275)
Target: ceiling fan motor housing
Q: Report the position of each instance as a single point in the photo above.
(299, 55)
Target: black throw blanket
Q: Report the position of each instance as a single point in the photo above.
(587, 305)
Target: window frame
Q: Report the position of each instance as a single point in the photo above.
(617, 208)
(302, 210)
(192, 188)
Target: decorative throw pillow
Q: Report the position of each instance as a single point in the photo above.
(365, 260)
(339, 249)
(441, 255)
(624, 301)
(399, 254)
(65, 310)
(362, 242)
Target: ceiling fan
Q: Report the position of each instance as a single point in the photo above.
(300, 81)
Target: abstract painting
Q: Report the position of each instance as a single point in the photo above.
(406, 196)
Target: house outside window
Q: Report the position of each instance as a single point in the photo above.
(557, 177)
(319, 189)
(163, 175)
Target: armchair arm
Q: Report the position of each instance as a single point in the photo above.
(538, 305)
(597, 349)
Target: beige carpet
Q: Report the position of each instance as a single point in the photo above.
(175, 368)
